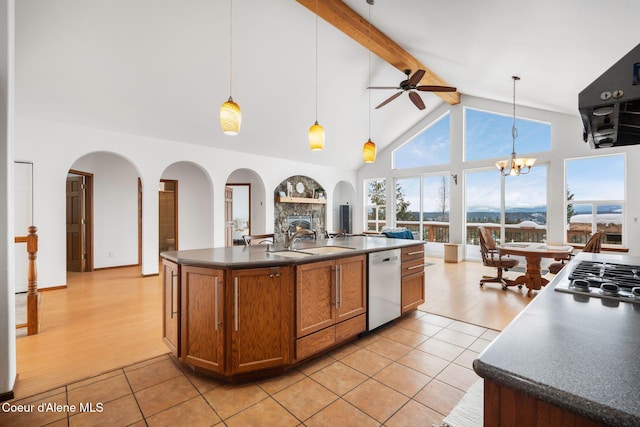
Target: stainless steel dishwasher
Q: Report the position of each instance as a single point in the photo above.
(384, 275)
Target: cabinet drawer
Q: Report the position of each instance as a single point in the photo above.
(350, 328)
(412, 267)
(316, 342)
(412, 252)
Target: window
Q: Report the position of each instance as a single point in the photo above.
(435, 208)
(375, 201)
(422, 206)
(595, 201)
(488, 135)
(430, 147)
(514, 212)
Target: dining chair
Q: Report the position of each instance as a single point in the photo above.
(491, 258)
(593, 245)
(335, 233)
(258, 239)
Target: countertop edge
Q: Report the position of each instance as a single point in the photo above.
(183, 258)
(581, 406)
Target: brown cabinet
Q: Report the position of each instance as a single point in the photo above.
(260, 305)
(202, 317)
(331, 303)
(170, 305)
(504, 406)
(412, 294)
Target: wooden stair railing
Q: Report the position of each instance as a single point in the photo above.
(32, 291)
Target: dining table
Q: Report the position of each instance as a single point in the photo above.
(533, 252)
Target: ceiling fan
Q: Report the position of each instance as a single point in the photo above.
(410, 85)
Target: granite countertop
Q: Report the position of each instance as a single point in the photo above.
(257, 255)
(576, 353)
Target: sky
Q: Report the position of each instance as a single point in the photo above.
(489, 136)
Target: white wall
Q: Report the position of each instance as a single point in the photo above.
(566, 142)
(115, 207)
(54, 148)
(195, 205)
(7, 297)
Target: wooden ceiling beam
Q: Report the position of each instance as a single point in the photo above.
(355, 26)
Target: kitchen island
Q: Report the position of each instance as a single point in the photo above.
(243, 312)
(566, 359)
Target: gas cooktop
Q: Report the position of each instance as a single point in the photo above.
(600, 279)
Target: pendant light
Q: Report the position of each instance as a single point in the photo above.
(316, 132)
(369, 147)
(515, 165)
(230, 114)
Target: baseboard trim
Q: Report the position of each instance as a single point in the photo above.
(116, 266)
(7, 395)
(52, 288)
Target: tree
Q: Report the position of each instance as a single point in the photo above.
(570, 211)
(443, 198)
(402, 206)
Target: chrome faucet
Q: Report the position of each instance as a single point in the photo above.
(288, 241)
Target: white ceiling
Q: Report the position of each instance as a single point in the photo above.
(160, 68)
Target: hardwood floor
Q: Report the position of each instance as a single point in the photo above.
(113, 318)
(102, 320)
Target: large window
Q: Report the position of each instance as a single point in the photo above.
(488, 135)
(422, 206)
(375, 201)
(430, 147)
(595, 198)
(515, 212)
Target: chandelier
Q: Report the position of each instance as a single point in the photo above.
(515, 165)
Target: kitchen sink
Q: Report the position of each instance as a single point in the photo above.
(326, 250)
(290, 254)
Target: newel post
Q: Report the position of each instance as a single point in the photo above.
(32, 290)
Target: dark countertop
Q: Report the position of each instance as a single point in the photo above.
(574, 352)
(257, 255)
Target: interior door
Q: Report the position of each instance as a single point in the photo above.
(228, 216)
(76, 231)
(168, 215)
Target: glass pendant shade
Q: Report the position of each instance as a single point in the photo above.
(369, 151)
(230, 117)
(316, 137)
(516, 165)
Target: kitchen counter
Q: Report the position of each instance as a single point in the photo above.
(257, 255)
(580, 354)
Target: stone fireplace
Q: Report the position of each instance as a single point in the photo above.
(295, 206)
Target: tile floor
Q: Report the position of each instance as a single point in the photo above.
(409, 373)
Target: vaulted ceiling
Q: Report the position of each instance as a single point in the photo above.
(161, 68)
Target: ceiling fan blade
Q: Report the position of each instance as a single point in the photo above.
(429, 88)
(388, 100)
(416, 100)
(384, 87)
(415, 79)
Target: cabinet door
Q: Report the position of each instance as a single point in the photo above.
(260, 309)
(170, 304)
(352, 287)
(315, 297)
(202, 317)
(412, 291)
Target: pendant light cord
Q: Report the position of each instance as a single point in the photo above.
(230, 46)
(316, 61)
(514, 130)
(369, 84)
